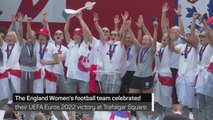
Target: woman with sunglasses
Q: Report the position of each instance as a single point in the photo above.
(57, 40)
(112, 52)
(187, 70)
(204, 84)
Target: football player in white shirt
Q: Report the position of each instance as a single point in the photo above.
(175, 38)
(164, 81)
(130, 51)
(77, 58)
(47, 57)
(113, 53)
(58, 68)
(205, 52)
(11, 67)
(10, 71)
(187, 65)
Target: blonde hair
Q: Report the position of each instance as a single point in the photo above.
(13, 33)
(39, 116)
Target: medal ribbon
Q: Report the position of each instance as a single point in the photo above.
(186, 51)
(31, 50)
(111, 51)
(161, 51)
(128, 51)
(9, 51)
(201, 51)
(143, 54)
(42, 51)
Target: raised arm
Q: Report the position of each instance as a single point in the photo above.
(145, 30)
(135, 41)
(165, 8)
(20, 30)
(98, 28)
(124, 30)
(116, 23)
(46, 25)
(178, 11)
(86, 32)
(13, 25)
(139, 26)
(183, 37)
(66, 30)
(208, 30)
(29, 29)
(155, 36)
(194, 38)
(124, 20)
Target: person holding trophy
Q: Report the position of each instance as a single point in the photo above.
(77, 57)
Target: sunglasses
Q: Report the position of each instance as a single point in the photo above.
(113, 34)
(188, 35)
(58, 33)
(202, 36)
(105, 31)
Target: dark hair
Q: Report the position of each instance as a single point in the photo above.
(175, 117)
(8, 112)
(3, 30)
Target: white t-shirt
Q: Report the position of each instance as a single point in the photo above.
(131, 58)
(205, 57)
(48, 55)
(13, 61)
(189, 63)
(95, 55)
(174, 60)
(77, 61)
(59, 68)
(162, 58)
(115, 56)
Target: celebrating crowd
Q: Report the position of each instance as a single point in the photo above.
(182, 73)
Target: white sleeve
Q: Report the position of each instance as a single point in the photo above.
(53, 49)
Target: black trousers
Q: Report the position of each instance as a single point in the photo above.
(126, 80)
(174, 93)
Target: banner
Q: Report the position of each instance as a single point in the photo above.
(191, 6)
(34, 9)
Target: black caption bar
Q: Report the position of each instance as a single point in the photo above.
(82, 97)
